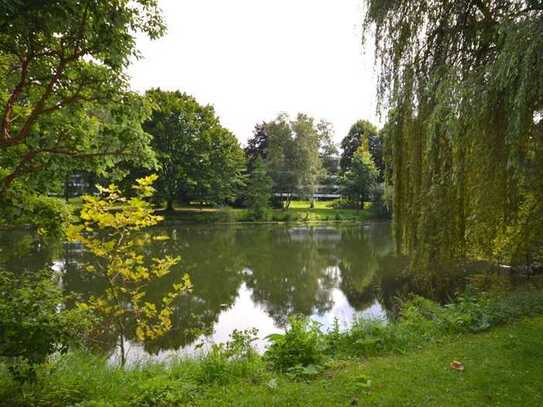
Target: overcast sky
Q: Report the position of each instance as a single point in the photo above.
(253, 59)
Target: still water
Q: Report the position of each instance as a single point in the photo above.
(245, 276)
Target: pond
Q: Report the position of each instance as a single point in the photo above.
(245, 276)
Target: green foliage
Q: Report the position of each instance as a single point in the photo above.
(520, 243)
(233, 359)
(257, 146)
(293, 151)
(48, 215)
(379, 208)
(300, 346)
(359, 183)
(199, 159)
(463, 87)
(362, 134)
(286, 216)
(281, 158)
(33, 321)
(308, 138)
(112, 230)
(259, 191)
(162, 391)
(65, 103)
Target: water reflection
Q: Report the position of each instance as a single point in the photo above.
(247, 276)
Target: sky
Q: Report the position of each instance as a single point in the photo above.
(253, 59)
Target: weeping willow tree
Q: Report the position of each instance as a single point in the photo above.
(462, 84)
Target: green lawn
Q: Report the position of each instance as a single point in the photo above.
(324, 210)
(299, 211)
(502, 368)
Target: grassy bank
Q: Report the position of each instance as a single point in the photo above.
(299, 211)
(405, 362)
(502, 368)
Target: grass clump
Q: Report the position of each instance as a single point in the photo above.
(422, 322)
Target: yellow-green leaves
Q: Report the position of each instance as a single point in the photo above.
(112, 229)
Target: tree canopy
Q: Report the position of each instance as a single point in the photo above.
(259, 190)
(295, 152)
(462, 82)
(64, 98)
(360, 181)
(198, 158)
(362, 133)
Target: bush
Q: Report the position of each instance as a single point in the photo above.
(47, 214)
(33, 324)
(286, 216)
(301, 345)
(344, 204)
(225, 215)
(255, 216)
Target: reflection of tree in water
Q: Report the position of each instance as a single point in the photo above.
(290, 269)
(84, 285)
(23, 252)
(215, 278)
(371, 272)
(212, 259)
(359, 255)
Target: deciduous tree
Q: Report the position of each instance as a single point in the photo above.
(463, 85)
(113, 230)
(199, 159)
(259, 190)
(359, 183)
(64, 97)
(362, 133)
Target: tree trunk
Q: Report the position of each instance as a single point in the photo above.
(121, 348)
(66, 191)
(287, 203)
(169, 205)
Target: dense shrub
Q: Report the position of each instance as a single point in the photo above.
(162, 391)
(33, 322)
(48, 215)
(225, 215)
(301, 345)
(343, 204)
(286, 216)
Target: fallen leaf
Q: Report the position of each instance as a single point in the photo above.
(456, 365)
